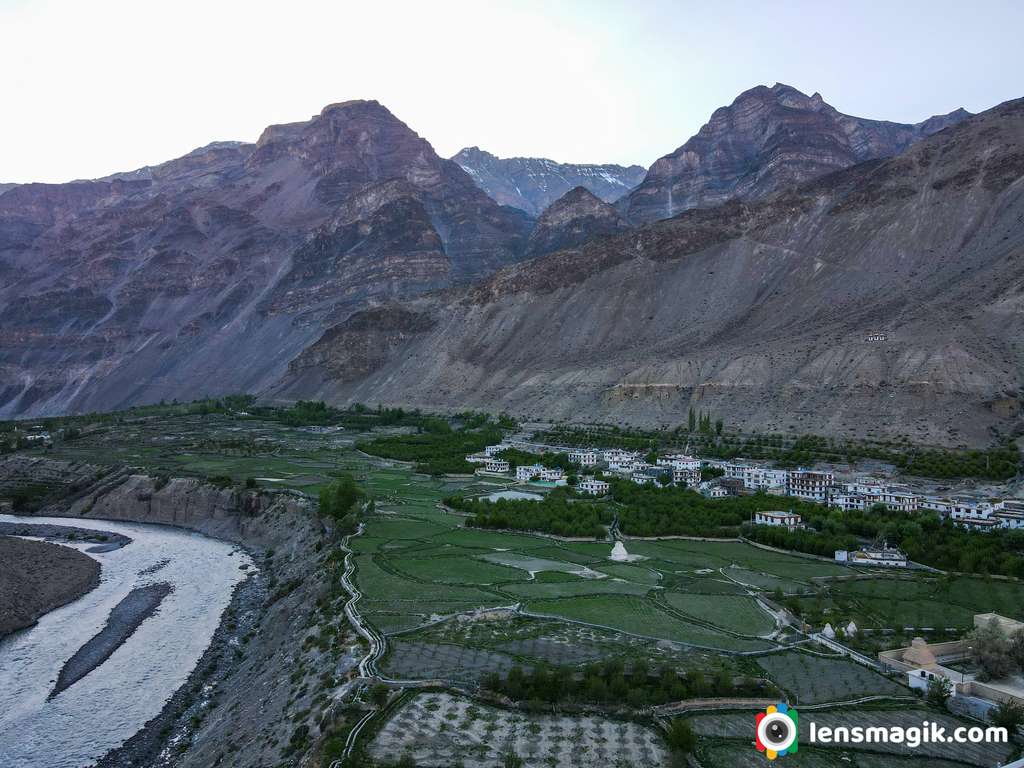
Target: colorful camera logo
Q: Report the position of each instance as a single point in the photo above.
(776, 731)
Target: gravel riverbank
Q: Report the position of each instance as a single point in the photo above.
(137, 606)
(104, 541)
(37, 577)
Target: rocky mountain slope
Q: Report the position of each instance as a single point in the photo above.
(573, 219)
(533, 183)
(763, 313)
(766, 140)
(208, 273)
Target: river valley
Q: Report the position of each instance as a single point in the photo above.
(104, 708)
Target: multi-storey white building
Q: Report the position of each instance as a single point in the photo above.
(527, 472)
(584, 458)
(552, 475)
(810, 485)
(688, 477)
(765, 479)
(490, 450)
(499, 466)
(593, 486)
(623, 461)
(678, 461)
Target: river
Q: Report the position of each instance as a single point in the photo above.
(110, 704)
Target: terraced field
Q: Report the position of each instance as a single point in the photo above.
(736, 613)
(810, 679)
(918, 601)
(444, 730)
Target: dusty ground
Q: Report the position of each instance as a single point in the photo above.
(36, 577)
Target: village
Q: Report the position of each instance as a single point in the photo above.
(716, 478)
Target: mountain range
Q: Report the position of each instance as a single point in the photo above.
(744, 274)
(533, 183)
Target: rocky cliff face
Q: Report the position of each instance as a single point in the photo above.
(573, 219)
(209, 273)
(766, 140)
(761, 312)
(533, 183)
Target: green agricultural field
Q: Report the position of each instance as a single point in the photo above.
(454, 570)
(891, 601)
(810, 679)
(379, 584)
(471, 537)
(639, 617)
(635, 573)
(538, 591)
(736, 613)
(402, 528)
(528, 562)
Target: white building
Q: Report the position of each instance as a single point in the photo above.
(593, 486)
(788, 520)
(584, 458)
(714, 492)
(884, 557)
(527, 472)
(1011, 516)
(617, 455)
(552, 475)
(764, 478)
(490, 450)
(687, 477)
(848, 502)
(895, 499)
(678, 461)
(809, 485)
(499, 466)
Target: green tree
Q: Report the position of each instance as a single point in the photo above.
(691, 420)
(990, 650)
(339, 499)
(1008, 715)
(939, 691)
(680, 737)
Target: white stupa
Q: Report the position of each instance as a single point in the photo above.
(829, 632)
(619, 553)
(851, 629)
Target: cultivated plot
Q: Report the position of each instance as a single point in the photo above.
(444, 730)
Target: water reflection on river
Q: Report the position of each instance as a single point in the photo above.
(114, 701)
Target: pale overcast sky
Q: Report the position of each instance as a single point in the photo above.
(91, 87)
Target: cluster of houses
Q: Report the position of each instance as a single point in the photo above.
(739, 477)
(674, 469)
(863, 493)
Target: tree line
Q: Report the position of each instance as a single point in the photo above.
(555, 514)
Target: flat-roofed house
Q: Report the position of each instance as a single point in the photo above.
(788, 520)
(593, 486)
(810, 485)
(499, 466)
(527, 472)
(584, 458)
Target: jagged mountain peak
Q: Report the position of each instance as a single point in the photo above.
(576, 217)
(533, 183)
(767, 139)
